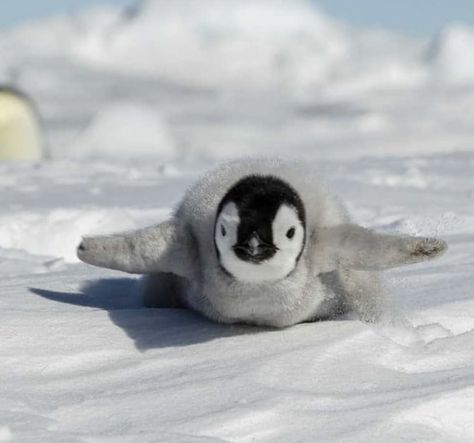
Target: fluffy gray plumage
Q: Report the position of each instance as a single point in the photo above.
(338, 269)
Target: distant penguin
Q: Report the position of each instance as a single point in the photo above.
(260, 242)
(20, 131)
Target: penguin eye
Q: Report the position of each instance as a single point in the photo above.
(290, 233)
(223, 231)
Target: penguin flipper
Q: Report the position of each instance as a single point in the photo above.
(353, 247)
(166, 247)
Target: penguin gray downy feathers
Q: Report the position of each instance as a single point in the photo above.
(261, 242)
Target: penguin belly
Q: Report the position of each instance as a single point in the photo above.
(20, 133)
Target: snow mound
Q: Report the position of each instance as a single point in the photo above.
(6, 434)
(126, 130)
(208, 43)
(57, 233)
(222, 79)
(452, 55)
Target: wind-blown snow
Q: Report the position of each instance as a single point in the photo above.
(132, 121)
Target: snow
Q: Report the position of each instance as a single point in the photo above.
(126, 130)
(240, 78)
(449, 55)
(132, 121)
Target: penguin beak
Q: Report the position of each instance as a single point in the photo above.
(255, 249)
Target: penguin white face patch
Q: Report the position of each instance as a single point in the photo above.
(259, 237)
(288, 235)
(225, 233)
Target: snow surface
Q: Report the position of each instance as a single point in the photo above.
(132, 121)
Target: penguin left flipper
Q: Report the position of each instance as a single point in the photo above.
(166, 247)
(350, 246)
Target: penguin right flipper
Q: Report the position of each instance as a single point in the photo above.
(350, 246)
(167, 247)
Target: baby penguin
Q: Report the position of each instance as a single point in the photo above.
(260, 242)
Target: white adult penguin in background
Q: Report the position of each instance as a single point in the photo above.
(20, 131)
(260, 242)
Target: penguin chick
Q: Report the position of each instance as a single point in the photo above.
(260, 242)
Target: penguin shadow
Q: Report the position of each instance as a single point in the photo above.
(148, 327)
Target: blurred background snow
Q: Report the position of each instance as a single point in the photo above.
(214, 79)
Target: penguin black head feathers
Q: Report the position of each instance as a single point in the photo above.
(260, 229)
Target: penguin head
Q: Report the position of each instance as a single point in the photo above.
(259, 232)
